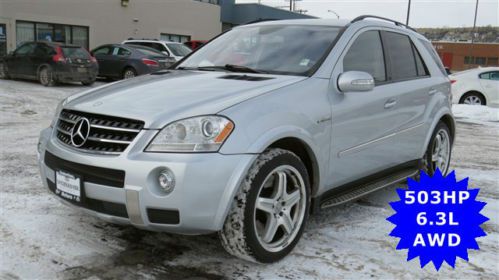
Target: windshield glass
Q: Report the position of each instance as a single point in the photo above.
(72, 52)
(179, 49)
(278, 49)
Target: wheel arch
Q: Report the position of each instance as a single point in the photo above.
(40, 67)
(447, 118)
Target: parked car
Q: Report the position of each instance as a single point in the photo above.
(50, 63)
(250, 150)
(194, 44)
(478, 86)
(125, 61)
(172, 49)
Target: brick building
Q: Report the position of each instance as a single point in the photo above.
(459, 56)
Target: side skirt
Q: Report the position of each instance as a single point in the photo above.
(359, 188)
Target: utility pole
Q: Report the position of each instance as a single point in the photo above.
(408, 13)
(291, 5)
(471, 59)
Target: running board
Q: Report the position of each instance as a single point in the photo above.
(365, 189)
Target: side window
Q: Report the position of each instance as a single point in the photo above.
(25, 49)
(429, 47)
(41, 50)
(102, 51)
(366, 54)
(159, 47)
(485, 76)
(124, 52)
(494, 75)
(400, 56)
(420, 65)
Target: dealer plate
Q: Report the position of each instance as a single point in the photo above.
(68, 186)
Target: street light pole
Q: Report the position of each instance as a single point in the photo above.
(408, 13)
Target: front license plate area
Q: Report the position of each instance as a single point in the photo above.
(82, 70)
(68, 186)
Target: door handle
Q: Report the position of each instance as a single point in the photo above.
(390, 103)
(432, 91)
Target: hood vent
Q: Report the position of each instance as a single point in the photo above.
(245, 78)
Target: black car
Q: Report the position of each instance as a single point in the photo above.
(50, 63)
(119, 61)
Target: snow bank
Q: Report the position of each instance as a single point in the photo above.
(476, 114)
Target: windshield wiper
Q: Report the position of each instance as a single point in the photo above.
(228, 67)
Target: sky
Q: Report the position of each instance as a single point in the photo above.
(424, 13)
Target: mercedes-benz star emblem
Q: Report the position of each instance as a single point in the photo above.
(79, 132)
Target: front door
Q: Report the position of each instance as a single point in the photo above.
(3, 40)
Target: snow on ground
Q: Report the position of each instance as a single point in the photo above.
(40, 238)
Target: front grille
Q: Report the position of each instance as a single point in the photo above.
(108, 135)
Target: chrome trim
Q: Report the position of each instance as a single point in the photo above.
(67, 120)
(63, 131)
(115, 128)
(103, 140)
(363, 145)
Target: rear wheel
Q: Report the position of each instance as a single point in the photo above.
(3, 71)
(129, 73)
(473, 98)
(269, 213)
(46, 76)
(438, 153)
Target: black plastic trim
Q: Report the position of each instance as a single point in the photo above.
(161, 216)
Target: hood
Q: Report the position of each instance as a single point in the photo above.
(161, 98)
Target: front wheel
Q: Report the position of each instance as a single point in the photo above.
(269, 213)
(129, 73)
(438, 153)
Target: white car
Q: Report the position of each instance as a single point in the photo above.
(172, 49)
(478, 86)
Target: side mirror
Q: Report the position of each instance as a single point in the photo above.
(355, 81)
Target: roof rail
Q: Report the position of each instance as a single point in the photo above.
(359, 18)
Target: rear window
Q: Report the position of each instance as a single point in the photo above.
(71, 52)
(429, 47)
(149, 52)
(179, 49)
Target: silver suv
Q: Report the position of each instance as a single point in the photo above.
(254, 131)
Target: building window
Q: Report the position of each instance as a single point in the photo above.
(38, 31)
(175, 38)
(468, 59)
(480, 60)
(493, 61)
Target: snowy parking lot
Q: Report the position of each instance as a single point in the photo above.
(40, 238)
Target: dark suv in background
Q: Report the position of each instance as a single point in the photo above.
(50, 63)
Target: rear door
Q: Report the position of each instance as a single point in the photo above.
(490, 84)
(40, 55)
(103, 56)
(118, 60)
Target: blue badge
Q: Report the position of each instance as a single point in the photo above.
(437, 219)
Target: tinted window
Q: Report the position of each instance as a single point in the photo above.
(25, 49)
(149, 52)
(102, 51)
(401, 56)
(490, 75)
(494, 76)
(156, 46)
(121, 52)
(71, 52)
(42, 50)
(429, 47)
(420, 65)
(366, 54)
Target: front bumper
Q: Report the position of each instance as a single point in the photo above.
(205, 184)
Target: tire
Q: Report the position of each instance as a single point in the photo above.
(3, 71)
(129, 73)
(473, 98)
(88, 83)
(46, 76)
(247, 230)
(432, 159)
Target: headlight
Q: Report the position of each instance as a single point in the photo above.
(198, 134)
(57, 112)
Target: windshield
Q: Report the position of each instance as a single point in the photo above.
(72, 52)
(179, 49)
(278, 49)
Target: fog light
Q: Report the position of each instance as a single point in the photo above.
(166, 180)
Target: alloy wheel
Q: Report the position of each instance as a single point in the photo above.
(280, 208)
(441, 151)
(129, 74)
(473, 100)
(44, 76)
